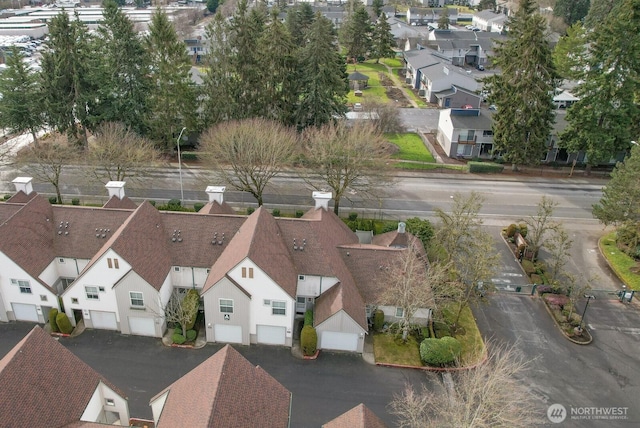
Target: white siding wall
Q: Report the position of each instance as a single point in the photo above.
(165, 292)
(97, 405)
(343, 323)
(262, 287)
(69, 267)
(99, 275)
(157, 405)
(11, 293)
(187, 277)
(133, 282)
(446, 131)
(50, 274)
(241, 316)
(421, 316)
(313, 285)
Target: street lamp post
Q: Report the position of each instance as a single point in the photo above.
(588, 297)
(180, 165)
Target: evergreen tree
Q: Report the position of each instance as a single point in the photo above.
(324, 79)
(522, 93)
(569, 53)
(299, 20)
(67, 88)
(607, 116)
(382, 40)
(571, 11)
(377, 6)
(598, 11)
(355, 33)
(280, 81)
(122, 74)
(487, 4)
(172, 98)
(443, 21)
(21, 107)
(212, 5)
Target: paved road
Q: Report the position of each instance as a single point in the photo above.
(322, 389)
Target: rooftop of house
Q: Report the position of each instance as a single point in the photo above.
(225, 390)
(36, 374)
(491, 16)
(358, 417)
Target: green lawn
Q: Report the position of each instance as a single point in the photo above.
(619, 261)
(389, 349)
(471, 340)
(392, 62)
(411, 147)
(427, 166)
(374, 92)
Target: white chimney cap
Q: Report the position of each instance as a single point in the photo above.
(216, 193)
(116, 188)
(24, 184)
(322, 199)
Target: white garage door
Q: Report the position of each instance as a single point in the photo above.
(339, 341)
(228, 333)
(142, 326)
(104, 320)
(271, 335)
(23, 312)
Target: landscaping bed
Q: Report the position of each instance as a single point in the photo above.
(624, 266)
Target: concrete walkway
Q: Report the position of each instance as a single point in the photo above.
(400, 86)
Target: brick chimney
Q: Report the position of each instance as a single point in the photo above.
(216, 193)
(115, 188)
(24, 184)
(322, 199)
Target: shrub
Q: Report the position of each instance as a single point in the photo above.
(556, 299)
(53, 200)
(191, 335)
(192, 295)
(485, 167)
(189, 156)
(441, 329)
(198, 206)
(153, 203)
(308, 318)
(64, 325)
(378, 320)
(276, 212)
(299, 213)
(440, 352)
(174, 203)
(421, 229)
(178, 339)
(309, 340)
(511, 230)
(353, 216)
(250, 210)
(6, 197)
(53, 313)
(75, 201)
(177, 330)
(523, 229)
(528, 267)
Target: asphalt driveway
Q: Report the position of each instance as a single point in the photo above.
(322, 389)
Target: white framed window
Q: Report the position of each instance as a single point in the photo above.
(43, 298)
(25, 286)
(399, 312)
(278, 308)
(92, 292)
(176, 268)
(61, 260)
(266, 302)
(208, 270)
(101, 289)
(74, 300)
(226, 306)
(300, 277)
(136, 298)
(109, 402)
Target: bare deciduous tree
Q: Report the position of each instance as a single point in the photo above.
(407, 284)
(559, 246)
(117, 153)
(47, 161)
(385, 117)
(488, 396)
(248, 154)
(180, 309)
(348, 158)
(457, 227)
(540, 224)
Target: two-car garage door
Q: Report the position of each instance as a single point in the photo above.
(339, 341)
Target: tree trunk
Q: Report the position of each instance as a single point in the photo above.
(184, 330)
(514, 167)
(58, 194)
(336, 205)
(259, 198)
(35, 138)
(587, 170)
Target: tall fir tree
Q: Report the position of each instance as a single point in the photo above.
(607, 116)
(122, 77)
(571, 11)
(324, 78)
(569, 53)
(598, 11)
(299, 20)
(172, 97)
(21, 108)
(377, 6)
(382, 40)
(523, 91)
(355, 33)
(68, 90)
(443, 20)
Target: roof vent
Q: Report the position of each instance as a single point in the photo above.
(24, 184)
(115, 188)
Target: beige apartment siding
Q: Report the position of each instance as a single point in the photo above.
(225, 289)
(343, 323)
(133, 282)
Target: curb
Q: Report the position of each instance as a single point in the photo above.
(562, 331)
(615, 272)
(311, 357)
(437, 369)
(54, 334)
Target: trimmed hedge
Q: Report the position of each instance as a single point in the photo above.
(308, 318)
(178, 339)
(189, 156)
(53, 313)
(275, 212)
(192, 295)
(299, 213)
(511, 230)
(177, 330)
(75, 201)
(528, 266)
(378, 320)
(485, 167)
(309, 340)
(191, 335)
(198, 206)
(440, 352)
(441, 329)
(63, 323)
